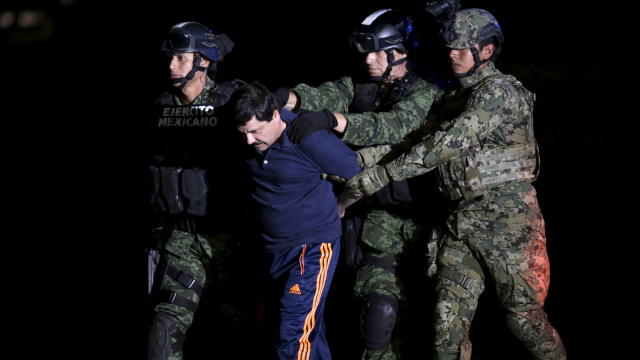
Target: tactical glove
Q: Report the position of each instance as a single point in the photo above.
(310, 122)
(368, 182)
(370, 156)
(281, 96)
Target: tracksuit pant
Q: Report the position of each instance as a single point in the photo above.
(308, 269)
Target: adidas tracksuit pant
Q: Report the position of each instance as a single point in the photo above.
(308, 269)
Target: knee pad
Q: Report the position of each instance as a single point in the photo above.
(163, 329)
(377, 320)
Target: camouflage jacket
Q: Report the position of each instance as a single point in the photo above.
(389, 126)
(485, 130)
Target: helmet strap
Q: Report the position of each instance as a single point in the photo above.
(391, 62)
(194, 69)
(476, 63)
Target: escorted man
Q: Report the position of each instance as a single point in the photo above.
(297, 213)
(380, 108)
(192, 236)
(486, 156)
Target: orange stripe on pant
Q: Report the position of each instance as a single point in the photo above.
(304, 351)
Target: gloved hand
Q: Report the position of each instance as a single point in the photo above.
(310, 122)
(368, 181)
(370, 155)
(281, 95)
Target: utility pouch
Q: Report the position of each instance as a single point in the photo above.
(351, 232)
(434, 243)
(195, 190)
(170, 188)
(155, 200)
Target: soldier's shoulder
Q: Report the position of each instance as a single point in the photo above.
(221, 92)
(423, 87)
(498, 86)
(165, 98)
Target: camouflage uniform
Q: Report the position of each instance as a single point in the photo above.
(486, 156)
(386, 231)
(197, 255)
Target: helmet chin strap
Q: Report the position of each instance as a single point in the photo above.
(391, 62)
(476, 63)
(194, 69)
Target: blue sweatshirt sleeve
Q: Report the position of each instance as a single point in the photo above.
(330, 154)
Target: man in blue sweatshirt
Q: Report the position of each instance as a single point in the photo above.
(297, 213)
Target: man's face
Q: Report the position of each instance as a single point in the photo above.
(181, 63)
(262, 134)
(461, 60)
(377, 64)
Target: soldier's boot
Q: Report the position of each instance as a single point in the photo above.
(537, 334)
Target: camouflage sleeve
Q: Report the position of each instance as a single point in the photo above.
(390, 127)
(334, 96)
(489, 107)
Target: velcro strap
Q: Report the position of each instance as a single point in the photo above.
(184, 279)
(173, 298)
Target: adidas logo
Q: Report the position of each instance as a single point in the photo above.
(295, 289)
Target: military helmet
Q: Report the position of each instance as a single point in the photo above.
(382, 30)
(471, 27)
(192, 37)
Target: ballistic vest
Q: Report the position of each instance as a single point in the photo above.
(481, 169)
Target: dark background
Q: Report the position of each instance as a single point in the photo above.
(75, 90)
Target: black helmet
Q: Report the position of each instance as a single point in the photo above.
(194, 37)
(382, 30)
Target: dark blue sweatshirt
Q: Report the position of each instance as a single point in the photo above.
(295, 205)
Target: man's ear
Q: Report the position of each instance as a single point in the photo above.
(398, 55)
(487, 51)
(204, 62)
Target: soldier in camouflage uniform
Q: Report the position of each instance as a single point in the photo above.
(379, 109)
(193, 238)
(486, 157)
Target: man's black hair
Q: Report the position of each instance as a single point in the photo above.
(252, 100)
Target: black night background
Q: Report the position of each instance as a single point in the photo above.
(75, 89)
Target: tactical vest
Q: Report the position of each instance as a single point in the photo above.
(472, 175)
(179, 174)
(370, 96)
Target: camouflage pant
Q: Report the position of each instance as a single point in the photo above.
(390, 235)
(194, 255)
(509, 247)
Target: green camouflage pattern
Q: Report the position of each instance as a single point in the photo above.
(370, 156)
(391, 238)
(466, 26)
(388, 234)
(205, 97)
(370, 128)
(499, 235)
(196, 255)
(502, 238)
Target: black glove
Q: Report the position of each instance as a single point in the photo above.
(281, 95)
(310, 122)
